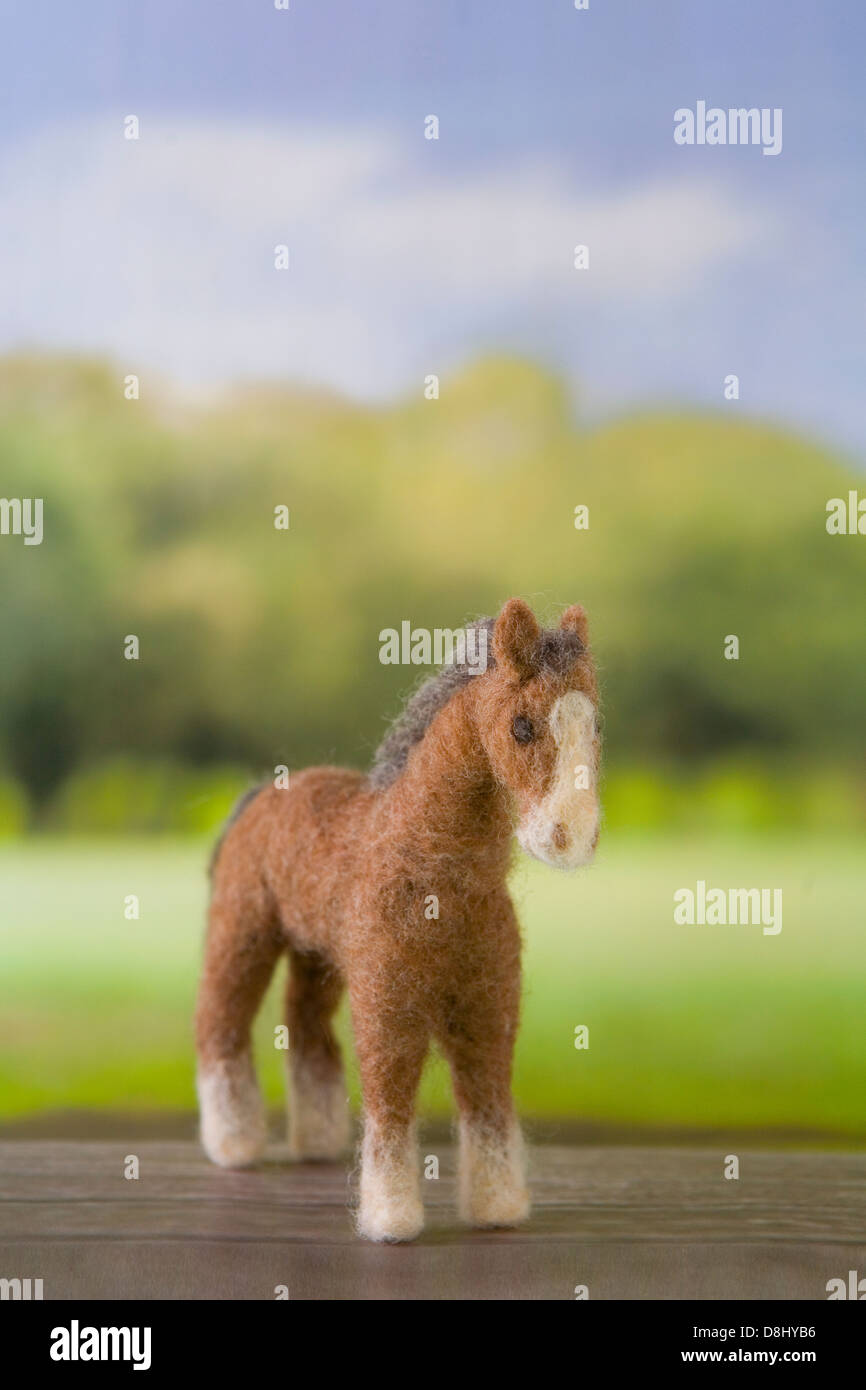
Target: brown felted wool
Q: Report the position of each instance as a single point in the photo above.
(392, 885)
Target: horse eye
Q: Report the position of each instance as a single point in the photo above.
(522, 729)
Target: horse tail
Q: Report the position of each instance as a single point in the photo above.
(236, 812)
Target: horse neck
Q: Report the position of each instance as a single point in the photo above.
(446, 802)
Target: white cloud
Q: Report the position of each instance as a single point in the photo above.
(160, 251)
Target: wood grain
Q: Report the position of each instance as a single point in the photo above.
(627, 1222)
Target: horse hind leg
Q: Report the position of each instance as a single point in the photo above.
(243, 946)
(318, 1106)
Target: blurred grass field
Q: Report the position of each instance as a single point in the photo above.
(695, 1026)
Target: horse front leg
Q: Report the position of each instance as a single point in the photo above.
(492, 1163)
(493, 1190)
(391, 1052)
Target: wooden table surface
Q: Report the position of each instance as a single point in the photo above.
(625, 1222)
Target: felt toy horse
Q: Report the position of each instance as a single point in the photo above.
(342, 870)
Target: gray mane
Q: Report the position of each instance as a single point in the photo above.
(415, 719)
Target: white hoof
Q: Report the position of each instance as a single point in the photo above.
(391, 1222)
(233, 1129)
(503, 1209)
(493, 1189)
(390, 1207)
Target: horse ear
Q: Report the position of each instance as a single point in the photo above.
(574, 619)
(515, 634)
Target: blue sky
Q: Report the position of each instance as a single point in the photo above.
(411, 256)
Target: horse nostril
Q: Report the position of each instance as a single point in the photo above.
(560, 837)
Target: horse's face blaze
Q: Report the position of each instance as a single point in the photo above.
(540, 729)
(561, 825)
